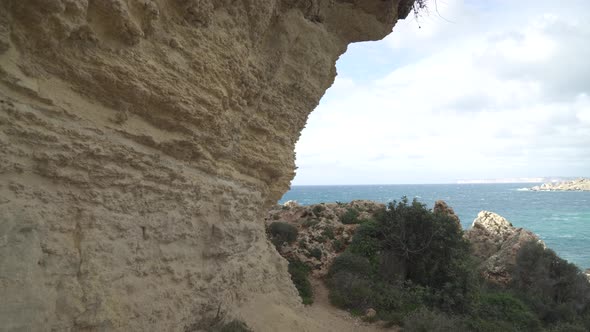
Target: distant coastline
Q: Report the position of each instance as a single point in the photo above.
(514, 180)
(574, 185)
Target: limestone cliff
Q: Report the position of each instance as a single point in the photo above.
(141, 144)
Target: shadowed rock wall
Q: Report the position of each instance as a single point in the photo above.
(141, 144)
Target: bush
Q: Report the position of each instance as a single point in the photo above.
(505, 307)
(350, 290)
(281, 232)
(318, 209)
(350, 216)
(348, 262)
(328, 232)
(234, 326)
(425, 320)
(300, 277)
(365, 241)
(315, 252)
(568, 327)
(405, 259)
(556, 290)
(338, 245)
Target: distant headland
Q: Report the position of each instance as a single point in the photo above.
(574, 185)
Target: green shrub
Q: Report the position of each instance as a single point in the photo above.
(350, 290)
(281, 232)
(315, 252)
(318, 209)
(302, 244)
(506, 307)
(350, 216)
(349, 262)
(300, 276)
(556, 290)
(328, 232)
(568, 327)
(338, 245)
(365, 241)
(234, 326)
(425, 320)
(405, 259)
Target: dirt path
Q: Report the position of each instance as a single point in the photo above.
(337, 319)
(263, 315)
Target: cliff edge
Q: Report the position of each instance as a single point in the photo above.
(141, 144)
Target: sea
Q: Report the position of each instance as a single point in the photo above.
(560, 218)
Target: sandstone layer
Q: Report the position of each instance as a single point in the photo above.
(574, 185)
(496, 243)
(141, 144)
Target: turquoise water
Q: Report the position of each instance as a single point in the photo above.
(561, 219)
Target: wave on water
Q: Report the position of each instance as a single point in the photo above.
(523, 189)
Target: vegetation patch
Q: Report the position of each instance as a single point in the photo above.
(415, 269)
(299, 272)
(328, 232)
(338, 245)
(315, 252)
(351, 216)
(280, 232)
(318, 209)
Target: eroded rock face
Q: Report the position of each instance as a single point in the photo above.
(141, 144)
(322, 235)
(496, 243)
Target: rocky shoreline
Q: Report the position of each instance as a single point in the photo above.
(574, 185)
(326, 229)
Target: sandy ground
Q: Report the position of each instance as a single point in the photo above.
(319, 317)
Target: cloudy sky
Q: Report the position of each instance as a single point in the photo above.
(478, 90)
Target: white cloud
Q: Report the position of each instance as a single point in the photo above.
(484, 96)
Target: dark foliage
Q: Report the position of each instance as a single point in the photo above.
(415, 269)
(556, 290)
(281, 232)
(315, 252)
(351, 216)
(300, 276)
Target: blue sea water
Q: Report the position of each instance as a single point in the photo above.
(561, 219)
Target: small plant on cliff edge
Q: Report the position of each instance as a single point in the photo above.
(281, 232)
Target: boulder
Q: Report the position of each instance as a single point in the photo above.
(496, 243)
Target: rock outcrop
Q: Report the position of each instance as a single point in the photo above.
(574, 185)
(324, 230)
(142, 143)
(496, 243)
(442, 207)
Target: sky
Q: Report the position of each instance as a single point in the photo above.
(470, 90)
